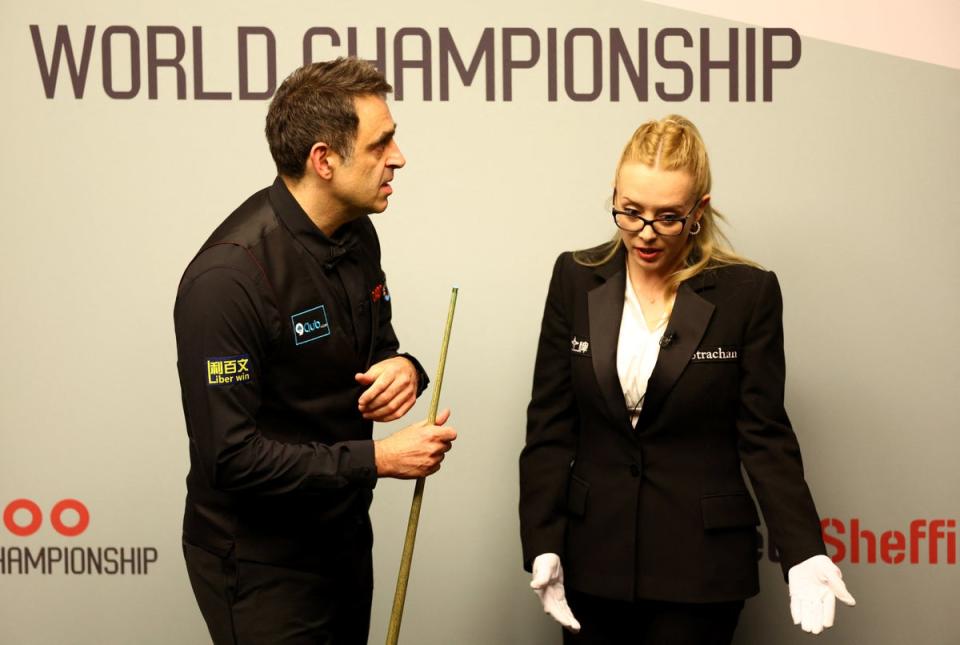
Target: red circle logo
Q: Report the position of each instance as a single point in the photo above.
(71, 529)
(56, 517)
(36, 517)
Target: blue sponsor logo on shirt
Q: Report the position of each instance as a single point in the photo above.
(310, 325)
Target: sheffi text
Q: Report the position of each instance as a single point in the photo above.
(581, 64)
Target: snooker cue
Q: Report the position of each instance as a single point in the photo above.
(396, 613)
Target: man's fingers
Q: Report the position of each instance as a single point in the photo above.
(795, 610)
(388, 404)
(400, 412)
(442, 417)
(374, 390)
(388, 412)
(364, 378)
(396, 386)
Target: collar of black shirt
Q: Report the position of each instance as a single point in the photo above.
(328, 250)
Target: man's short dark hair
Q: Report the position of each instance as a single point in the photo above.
(315, 103)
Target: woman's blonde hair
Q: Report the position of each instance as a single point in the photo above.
(674, 143)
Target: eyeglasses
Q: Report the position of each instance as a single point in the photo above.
(667, 225)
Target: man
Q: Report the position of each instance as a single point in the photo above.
(286, 358)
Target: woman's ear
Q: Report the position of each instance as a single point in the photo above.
(704, 201)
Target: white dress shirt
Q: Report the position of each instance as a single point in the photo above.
(637, 349)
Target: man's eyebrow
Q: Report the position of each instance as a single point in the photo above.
(384, 138)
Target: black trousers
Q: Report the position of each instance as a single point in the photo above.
(651, 622)
(251, 603)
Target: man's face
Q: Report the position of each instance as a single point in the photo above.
(362, 182)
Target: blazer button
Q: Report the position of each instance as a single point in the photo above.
(635, 470)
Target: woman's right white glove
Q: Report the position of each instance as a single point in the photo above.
(815, 585)
(548, 583)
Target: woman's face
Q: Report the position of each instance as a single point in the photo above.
(652, 193)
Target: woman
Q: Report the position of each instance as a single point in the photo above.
(660, 371)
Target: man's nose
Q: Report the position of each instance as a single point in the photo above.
(397, 160)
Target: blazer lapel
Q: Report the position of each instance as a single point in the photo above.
(605, 309)
(688, 323)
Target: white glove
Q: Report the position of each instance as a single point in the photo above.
(548, 583)
(815, 585)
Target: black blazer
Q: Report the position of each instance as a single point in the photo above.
(662, 511)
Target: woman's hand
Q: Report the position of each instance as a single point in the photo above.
(815, 585)
(548, 583)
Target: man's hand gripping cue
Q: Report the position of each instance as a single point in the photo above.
(416, 451)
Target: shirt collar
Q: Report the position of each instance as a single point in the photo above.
(327, 250)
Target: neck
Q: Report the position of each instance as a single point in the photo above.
(648, 285)
(325, 212)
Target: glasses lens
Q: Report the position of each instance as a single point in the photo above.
(668, 226)
(628, 222)
(634, 223)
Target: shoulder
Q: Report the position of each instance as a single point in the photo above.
(736, 277)
(221, 279)
(739, 287)
(228, 257)
(221, 262)
(569, 270)
(604, 259)
(249, 224)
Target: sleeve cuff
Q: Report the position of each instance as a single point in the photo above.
(363, 466)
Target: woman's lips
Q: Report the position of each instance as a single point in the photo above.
(647, 254)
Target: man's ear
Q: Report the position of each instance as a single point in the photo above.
(321, 160)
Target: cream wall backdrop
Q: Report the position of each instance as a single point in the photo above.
(843, 183)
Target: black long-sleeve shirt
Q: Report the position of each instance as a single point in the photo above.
(273, 319)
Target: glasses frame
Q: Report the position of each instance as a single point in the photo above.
(652, 222)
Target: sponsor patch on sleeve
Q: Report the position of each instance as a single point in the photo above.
(228, 370)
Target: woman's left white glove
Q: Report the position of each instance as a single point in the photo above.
(815, 585)
(548, 583)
